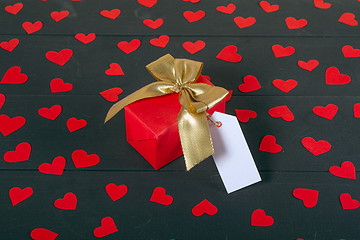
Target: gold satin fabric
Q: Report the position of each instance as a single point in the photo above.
(179, 75)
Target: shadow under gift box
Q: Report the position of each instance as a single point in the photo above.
(152, 129)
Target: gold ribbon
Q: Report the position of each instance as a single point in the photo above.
(179, 76)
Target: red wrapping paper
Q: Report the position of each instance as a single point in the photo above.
(151, 127)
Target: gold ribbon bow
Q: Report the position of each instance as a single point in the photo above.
(179, 76)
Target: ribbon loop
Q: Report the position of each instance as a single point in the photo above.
(179, 75)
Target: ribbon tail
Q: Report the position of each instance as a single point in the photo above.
(195, 137)
(151, 90)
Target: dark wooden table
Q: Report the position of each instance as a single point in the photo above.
(28, 195)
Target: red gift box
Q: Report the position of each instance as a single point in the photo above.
(152, 129)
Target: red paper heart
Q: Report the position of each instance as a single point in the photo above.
(114, 70)
(229, 9)
(21, 153)
(116, 192)
(316, 147)
(17, 195)
(282, 112)
(147, 3)
(250, 84)
(9, 125)
(112, 14)
(204, 207)
(244, 115)
(14, 9)
(153, 24)
(321, 4)
(357, 110)
(280, 51)
(347, 170)
(327, 112)
(348, 19)
(285, 86)
(309, 66)
(292, 23)
(159, 196)
(2, 100)
(228, 97)
(69, 202)
(194, 16)
(74, 124)
(50, 113)
(30, 28)
(244, 22)
(81, 159)
(333, 77)
(128, 47)
(57, 85)
(107, 227)
(260, 219)
(229, 54)
(268, 144)
(43, 234)
(194, 47)
(112, 94)
(59, 58)
(347, 202)
(349, 51)
(85, 38)
(55, 168)
(308, 196)
(10, 45)
(14, 76)
(268, 8)
(58, 16)
(162, 41)
(192, 1)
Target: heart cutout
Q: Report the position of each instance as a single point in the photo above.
(194, 16)
(244, 22)
(50, 113)
(316, 147)
(159, 196)
(57, 85)
(245, 115)
(204, 207)
(2, 100)
(228, 54)
(81, 159)
(116, 192)
(268, 144)
(10, 45)
(285, 86)
(14, 9)
(114, 70)
(9, 125)
(59, 58)
(112, 14)
(281, 112)
(348, 51)
(162, 41)
(147, 3)
(347, 170)
(107, 227)
(327, 112)
(293, 23)
(85, 39)
(356, 109)
(74, 124)
(21, 153)
(320, 4)
(229, 9)
(333, 77)
(112, 94)
(309, 66)
(68, 202)
(58, 16)
(260, 219)
(347, 202)
(43, 234)
(128, 47)
(14, 76)
(267, 7)
(31, 28)
(153, 24)
(280, 51)
(17, 195)
(194, 47)
(250, 84)
(348, 19)
(55, 168)
(308, 196)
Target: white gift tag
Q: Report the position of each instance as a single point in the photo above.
(232, 155)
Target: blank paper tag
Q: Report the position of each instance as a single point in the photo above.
(232, 155)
